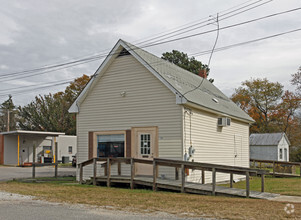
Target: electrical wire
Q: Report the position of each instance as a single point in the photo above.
(243, 43)
(192, 24)
(199, 53)
(88, 59)
(209, 61)
(208, 23)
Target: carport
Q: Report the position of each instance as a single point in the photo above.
(17, 147)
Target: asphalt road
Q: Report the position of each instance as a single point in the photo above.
(10, 173)
(16, 207)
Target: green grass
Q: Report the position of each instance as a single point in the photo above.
(65, 165)
(284, 186)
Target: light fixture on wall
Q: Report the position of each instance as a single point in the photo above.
(123, 94)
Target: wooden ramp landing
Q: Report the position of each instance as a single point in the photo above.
(190, 187)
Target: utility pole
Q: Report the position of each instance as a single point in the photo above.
(7, 120)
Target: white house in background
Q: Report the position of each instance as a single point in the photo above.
(269, 146)
(139, 105)
(67, 146)
(16, 147)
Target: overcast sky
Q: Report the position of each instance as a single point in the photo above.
(36, 33)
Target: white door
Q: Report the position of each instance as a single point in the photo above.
(285, 154)
(237, 150)
(145, 147)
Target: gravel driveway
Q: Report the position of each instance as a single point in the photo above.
(9, 173)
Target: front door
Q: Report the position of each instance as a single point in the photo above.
(145, 147)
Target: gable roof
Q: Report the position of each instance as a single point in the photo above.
(267, 139)
(181, 82)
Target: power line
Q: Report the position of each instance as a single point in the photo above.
(216, 39)
(230, 46)
(31, 90)
(243, 43)
(78, 62)
(193, 23)
(223, 28)
(162, 61)
(198, 27)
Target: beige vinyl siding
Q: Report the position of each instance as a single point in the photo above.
(215, 144)
(148, 102)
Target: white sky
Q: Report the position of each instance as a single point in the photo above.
(36, 33)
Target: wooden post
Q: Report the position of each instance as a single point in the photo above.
(94, 170)
(105, 170)
(300, 169)
(273, 168)
(247, 184)
(81, 173)
(132, 173)
(56, 156)
(231, 180)
(262, 182)
(176, 173)
(119, 168)
(33, 161)
(213, 181)
(108, 172)
(203, 176)
(154, 176)
(183, 178)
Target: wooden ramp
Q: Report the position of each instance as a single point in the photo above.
(179, 182)
(190, 187)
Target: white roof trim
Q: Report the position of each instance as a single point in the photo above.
(33, 133)
(75, 108)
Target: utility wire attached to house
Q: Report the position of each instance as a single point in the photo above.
(209, 61)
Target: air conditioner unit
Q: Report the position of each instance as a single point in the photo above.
(223, 122)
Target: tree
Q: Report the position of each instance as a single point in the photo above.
(50, 112)
(182, 60)
(7, 112)
(296, 79)
(260, 99)
(285, 111)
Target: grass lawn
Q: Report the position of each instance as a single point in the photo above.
(65, 165)
(148, 201)
(284, 186)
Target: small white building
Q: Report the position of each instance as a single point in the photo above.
(16, 147)
(67, 146)
(269, 146)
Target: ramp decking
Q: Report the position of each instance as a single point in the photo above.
(179, 182)
(195, 188)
